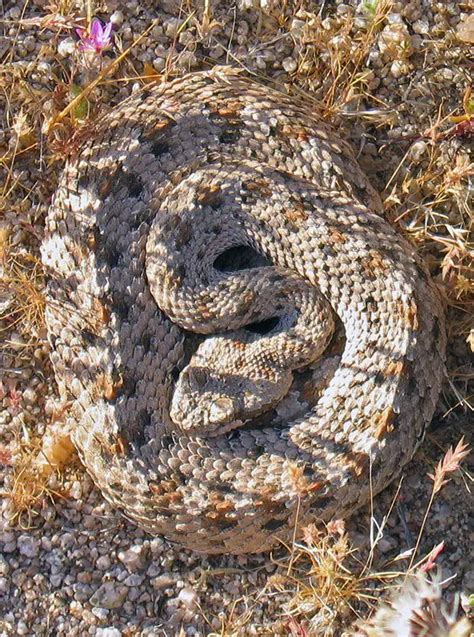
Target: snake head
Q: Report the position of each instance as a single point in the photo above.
(207, 402)
(204, 403)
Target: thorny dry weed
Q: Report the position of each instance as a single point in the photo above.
(427, 194)
(331, 583)
(31, 484)
(22, 286)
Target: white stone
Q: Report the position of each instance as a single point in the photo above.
(30, 396)
(188, 597)
(297, 27)
(399, 68)
(4, 566)
(417, 150)
(108, 632)
(66, 47)
(103, 562)
(132, 558)
(100, 613)
(421, 26)
(290, 65)
(116, 18)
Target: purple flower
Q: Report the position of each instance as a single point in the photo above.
(98, 39)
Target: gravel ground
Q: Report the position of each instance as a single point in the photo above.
(388, 76)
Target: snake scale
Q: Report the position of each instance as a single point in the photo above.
(244, 342)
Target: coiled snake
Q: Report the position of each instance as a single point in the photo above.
(246, 343)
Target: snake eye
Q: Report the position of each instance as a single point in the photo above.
(196, 378)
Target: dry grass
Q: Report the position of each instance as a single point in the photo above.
(31, 483)
(333, 65)
(22, 285)
(333, 584)
(426, 179)
(328, 584)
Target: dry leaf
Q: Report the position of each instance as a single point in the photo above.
(150, 74)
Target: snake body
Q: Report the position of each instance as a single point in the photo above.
(245, 343)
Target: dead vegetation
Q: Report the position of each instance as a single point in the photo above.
(332, 582)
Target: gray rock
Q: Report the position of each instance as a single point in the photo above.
(109, 595)
(56, 580)
(133, 558)
(9, 547)
(22, 628)
(133, 580)
(28, 545)
(386, 544)
(82, 592)
(162, 581)
(468, 582)
(103, 562)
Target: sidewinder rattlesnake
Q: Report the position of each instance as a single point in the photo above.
(245, 342)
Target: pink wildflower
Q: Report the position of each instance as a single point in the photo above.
(98, 39)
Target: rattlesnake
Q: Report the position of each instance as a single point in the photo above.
(245, 343)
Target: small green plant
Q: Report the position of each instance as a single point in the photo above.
(81, 111)
(370, 6)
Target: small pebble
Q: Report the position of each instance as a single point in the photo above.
(66, 47)
(103, 562)
(417, 151)
(133, 558)
(171, 26)
(109, 595)
(30, 396)
(162, 581)
(28, 545)
(188, 597)
(117, 18)
(290, 65)
(108, 632)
